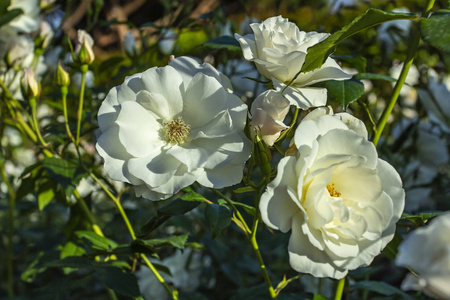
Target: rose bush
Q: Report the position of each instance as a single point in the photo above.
(165, 128)
(268, 112)
(339, 199)
(278, 48)
(427, 252)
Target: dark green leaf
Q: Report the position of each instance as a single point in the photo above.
(76, 262)
(318, 53)
(357, 62)
(55, 290)
(218, 218)
(391, 248)
(319, 297)
(10, 15)
(381, 288)
(46, 193)
(100, 242)
(435, 30)
(122, 282)
(177, 241)
(345, 91)
(244, 189)
(4, 4)
(223, 42)
(110, 64)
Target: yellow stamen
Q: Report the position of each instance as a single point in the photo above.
(332, 190)
(176, 131)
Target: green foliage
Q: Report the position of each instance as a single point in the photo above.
(345, 91)
(150, 245)
(318, 53)
(435, 31)
(381, 288)
(218, 218)
(6, 15)
(223, 42)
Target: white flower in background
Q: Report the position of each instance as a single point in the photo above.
(129, 44)
(268, 112)
(407, 91)
(339, 199)
(436, 100)
(28, 21)
(21, 49)
(426, 251)
(168, 127)
(245, 28)
(393, 32)
(88, 81)
(30, 86)
(278, 48)
(45, 33)
(167, 41)
(186, 269)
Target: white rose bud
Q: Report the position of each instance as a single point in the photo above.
(29, 84)
(83, 49)
(268, 112)
(426, 251)
(129, 44)
(278, 48)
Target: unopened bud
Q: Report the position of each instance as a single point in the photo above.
(62, 77)
(83, 49)
(29, 85)
(262, 154)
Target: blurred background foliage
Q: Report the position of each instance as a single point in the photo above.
(228, 269)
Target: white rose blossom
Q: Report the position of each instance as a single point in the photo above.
(28, 21)
(268, 112)
(339, 199)
(427, 252)
(278, 48)
(165, 128)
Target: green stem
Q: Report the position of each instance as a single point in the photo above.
(9, 262)
(174, 292)
(35, 122)
(84, 69)
(412, 49)
(64, 92)
(339, 289)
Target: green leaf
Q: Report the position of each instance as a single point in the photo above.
(223, 42)
(9, 16)
(381, 288)
(435, 30)
(124, 283)
(177, 241)
(318, 53)
(392, 248)
(66, 173)
(46, 194)
(75, 262)
(99, 242)
(357, 62)
(345, 91)
(420, 219)
(110, 64)
(191, 195)
(244, 189)
(249, 209)
(218, 218)
(319, 297)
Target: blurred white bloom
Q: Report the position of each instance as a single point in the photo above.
(83, 48)
(245, 28)
(278, 48)
(436, 100)
(339, 200)
(367, 83)
(165, 128)
(28, 21)
(391, 33)
(30, 86)
(88, 81)
(427, 252)
(21, 48)
(268, 112)
(45, 33)
(408, 92)
(167, 41)
(129, 45)
(186, 269)
(321, 286)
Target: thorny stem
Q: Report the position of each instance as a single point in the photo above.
(174, 292)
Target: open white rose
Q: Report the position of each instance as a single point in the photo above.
(165, 128)
(427, 252)
(339, 199)
(268, 112)
(28, 21)
(278, 48)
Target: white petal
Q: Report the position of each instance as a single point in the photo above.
(129, 88)
(304, 97)
(139, 132)
(221, 176)
(109, 110)
(192, 156)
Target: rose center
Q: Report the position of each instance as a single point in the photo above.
(332, 190)
(176, 131)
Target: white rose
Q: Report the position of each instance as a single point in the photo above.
(28, 21)
(278, 48)
(268, 112)
(165, 128)
(427, 252)
(339, 199)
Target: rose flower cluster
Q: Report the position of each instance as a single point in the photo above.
(166, 128)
